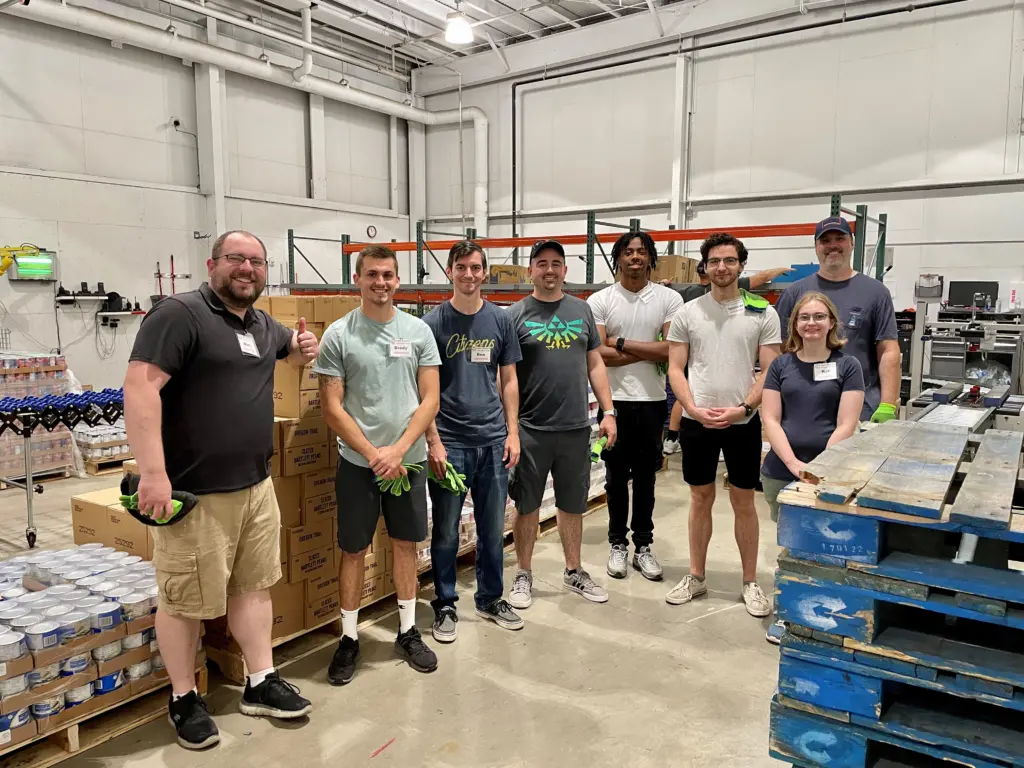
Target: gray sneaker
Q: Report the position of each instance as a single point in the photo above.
(648, 565)
(581, 583)
(501, 613)
(521, 595)
(617, 561)
(688, 588)
(446, 625)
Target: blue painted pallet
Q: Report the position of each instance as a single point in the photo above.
(815, 741)
(862, 683)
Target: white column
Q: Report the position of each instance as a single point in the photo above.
(417, 186)
(393, 165)
(680, 141)
(317, 148)
(211, 130)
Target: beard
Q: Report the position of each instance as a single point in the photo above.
(236, 296)
(724, 281)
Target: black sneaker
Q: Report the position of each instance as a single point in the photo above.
(410, 646)
(343, 665)
(501, 613)
(274, 697)
(192, 721)
(446, 625)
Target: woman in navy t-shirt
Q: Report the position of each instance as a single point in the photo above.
(813, 395)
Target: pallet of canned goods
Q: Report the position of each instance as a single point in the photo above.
(78, 652)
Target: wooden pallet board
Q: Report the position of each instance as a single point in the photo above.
(40, 476)
(986, 497)
(109, 466)
(98, 728)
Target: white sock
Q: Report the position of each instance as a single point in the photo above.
(406, 615)
(258, 677)
(350, 623)
(186, 693)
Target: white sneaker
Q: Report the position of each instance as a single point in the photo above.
(521, 595)
(754, 598)
(617, 558)
(645, 562)
(687, 589)
(669, 447)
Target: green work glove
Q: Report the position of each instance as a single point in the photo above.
(396, 486)
(596, 448)
(452, 481)
(132, 503)
(661, 367)
(886, 412)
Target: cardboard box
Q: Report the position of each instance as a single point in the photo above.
(509, 273)
(130, 466)
(288, 309)
(389, 583)
(275, 458)
(60, 685)
(317, 508)
(678, 269)
(305, 458)
(80, 712)
(306, 537)
(16, 736)
(289, 601)
(296, 393)
(333, 451)
(373, 565)
(263, 302)
(126, 659)
(79, 645)
(317, 589)
(99, 517)
(317, 483)
(323, 310)
(373, 590)
(299, 432)
(326, 608)
(389, 560)
(289, 498)
(16, 667)
(315, 564)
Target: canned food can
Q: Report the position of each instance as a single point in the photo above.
(103, 551)
(78, 695)
(58, 611)
(143, 566)
(78, 557)
(15, 719)
(104, 616)
(13, 593)
(72, 665)
(75, 575)
(77, 623)
(117, 593)
(108, 651)
(59, 574)
(109, 683)
(129, 580)
(22, 623)
(12, 645)
(58, 590)
(74, 595)
(140, 670)
(130, 560)
(158, 661)
(40, 606)
(12, 686)
(135, 605)
(45, 634)
(44, 674)
(130, 642)
(90, 581)
(101, 568)
(48, 707)
(154, 596)
(9, 613)
(85, 603)
(92, 547)
(103, 586)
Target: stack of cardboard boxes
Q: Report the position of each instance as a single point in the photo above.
(677, 269)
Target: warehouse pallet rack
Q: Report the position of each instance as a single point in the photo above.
(424, 294)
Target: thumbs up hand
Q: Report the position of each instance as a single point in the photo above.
(307, 343)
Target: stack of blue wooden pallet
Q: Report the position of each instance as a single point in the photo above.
(905, 641)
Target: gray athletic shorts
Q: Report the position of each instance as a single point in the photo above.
(566, 455)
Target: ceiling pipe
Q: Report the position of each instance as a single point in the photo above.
(307, 55)
(112, 28)
(283, 37)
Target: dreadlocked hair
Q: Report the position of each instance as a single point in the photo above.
(626, 239)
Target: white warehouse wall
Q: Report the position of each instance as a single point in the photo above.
(92, 167)
(928, 96)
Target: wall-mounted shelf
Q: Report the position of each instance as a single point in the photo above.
(118, 314)
(76, 297)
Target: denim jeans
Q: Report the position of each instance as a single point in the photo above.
(487, 481)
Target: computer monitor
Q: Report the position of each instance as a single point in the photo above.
(962, 292)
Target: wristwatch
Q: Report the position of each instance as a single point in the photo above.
(614, 413)
(620, 343)
(747, 408)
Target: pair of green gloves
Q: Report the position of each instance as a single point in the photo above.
(452, 481)
(885, 412)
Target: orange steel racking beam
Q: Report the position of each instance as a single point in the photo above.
(658, 235)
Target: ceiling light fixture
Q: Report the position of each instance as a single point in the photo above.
(457, 29)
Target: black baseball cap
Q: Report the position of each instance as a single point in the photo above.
(541, 245)
(832, 224)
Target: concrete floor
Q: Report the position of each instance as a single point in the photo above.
(633, 682)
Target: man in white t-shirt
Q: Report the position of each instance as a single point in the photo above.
(633, 317)
(722, 335)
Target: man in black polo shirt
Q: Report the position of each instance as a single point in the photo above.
(199, 408)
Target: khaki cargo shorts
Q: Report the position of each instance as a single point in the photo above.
(229, 544)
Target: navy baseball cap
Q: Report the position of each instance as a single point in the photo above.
(832, 224)
(541, 245)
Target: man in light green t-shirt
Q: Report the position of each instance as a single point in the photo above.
(379, 390)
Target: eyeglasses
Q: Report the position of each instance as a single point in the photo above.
(730, 261)
(819, 317)
(237, 260)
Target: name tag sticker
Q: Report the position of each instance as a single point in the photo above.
(825, 372)
(646, 294)
(480, 355)
(400, 348)
(248, 345)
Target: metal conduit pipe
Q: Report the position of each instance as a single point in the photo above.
(307, 55)
(282, 36)
(112, 28)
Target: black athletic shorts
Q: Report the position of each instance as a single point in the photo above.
(740, 444)
(566, 455)
(360, 504)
